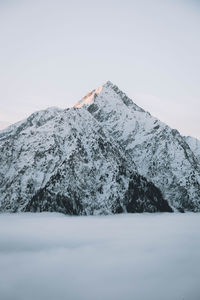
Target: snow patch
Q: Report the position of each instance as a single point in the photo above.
(88, 98)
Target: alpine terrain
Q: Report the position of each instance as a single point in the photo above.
(105, 155)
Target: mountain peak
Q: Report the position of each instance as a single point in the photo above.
(89, 97)
(108, 84)
(108, 91)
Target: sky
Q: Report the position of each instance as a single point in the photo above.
(54, 52)
(48, 256)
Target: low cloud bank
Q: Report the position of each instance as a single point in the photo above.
(135, 256)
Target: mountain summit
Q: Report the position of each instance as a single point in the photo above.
(107, 92)
(105, 155)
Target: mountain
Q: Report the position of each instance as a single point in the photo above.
(160, 153)
(105, 155)
(64, 161)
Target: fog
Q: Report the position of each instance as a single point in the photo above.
(135, 256)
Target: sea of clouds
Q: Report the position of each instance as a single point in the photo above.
(122, 257)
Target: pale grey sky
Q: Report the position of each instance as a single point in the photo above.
(53, 52)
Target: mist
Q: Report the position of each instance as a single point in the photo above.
(132, 256)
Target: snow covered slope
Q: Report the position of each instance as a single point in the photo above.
(64, 161)
(194, 146)
(160, 153)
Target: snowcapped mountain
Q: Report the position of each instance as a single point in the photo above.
(105, 155)
(62, 160)
(160, 153)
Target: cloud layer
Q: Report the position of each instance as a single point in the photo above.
(147, 256)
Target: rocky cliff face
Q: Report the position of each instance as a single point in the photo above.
(194, 145)
(160, 153)
(64, 161)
